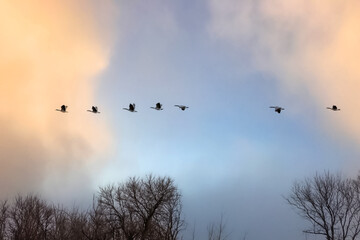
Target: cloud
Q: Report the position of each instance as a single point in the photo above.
(309, 46)
(51, 53)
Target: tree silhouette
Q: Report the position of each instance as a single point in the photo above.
(148, 208)
(141, 208)
(331, 203)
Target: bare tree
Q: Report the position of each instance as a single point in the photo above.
(30, 218)
(148, 208)
(78, 224)
(97, 227)
(3, 219)
(217, 232)
(168, 220)
(330, 203)
(61, 224)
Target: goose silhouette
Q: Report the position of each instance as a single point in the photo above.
(182, 107)
(131, 108)
(62, 109)
(277, 108)
(334, 108)
(94, 109)
(157, 106)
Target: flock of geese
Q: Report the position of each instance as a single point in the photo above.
(158, 106)
(94, 109)
(279, 109)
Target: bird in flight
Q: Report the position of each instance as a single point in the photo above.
(62, 109)
(94, 109)
(277, 108)
(182, 107)
(334, 108)
(131, 108)
(157, 106)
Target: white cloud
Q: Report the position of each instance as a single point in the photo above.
(309, 46)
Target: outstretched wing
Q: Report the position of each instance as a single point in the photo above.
(182, 107)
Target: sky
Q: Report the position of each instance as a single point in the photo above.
(229, 60)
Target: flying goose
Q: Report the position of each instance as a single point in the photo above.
(131, 108)
(157, 106)
(94, 109)
(334, 108)
(62, 109)
(277, 108)
(182, 107)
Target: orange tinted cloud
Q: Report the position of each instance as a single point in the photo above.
(50, 54)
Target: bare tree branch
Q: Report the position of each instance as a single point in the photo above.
(330, 203)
